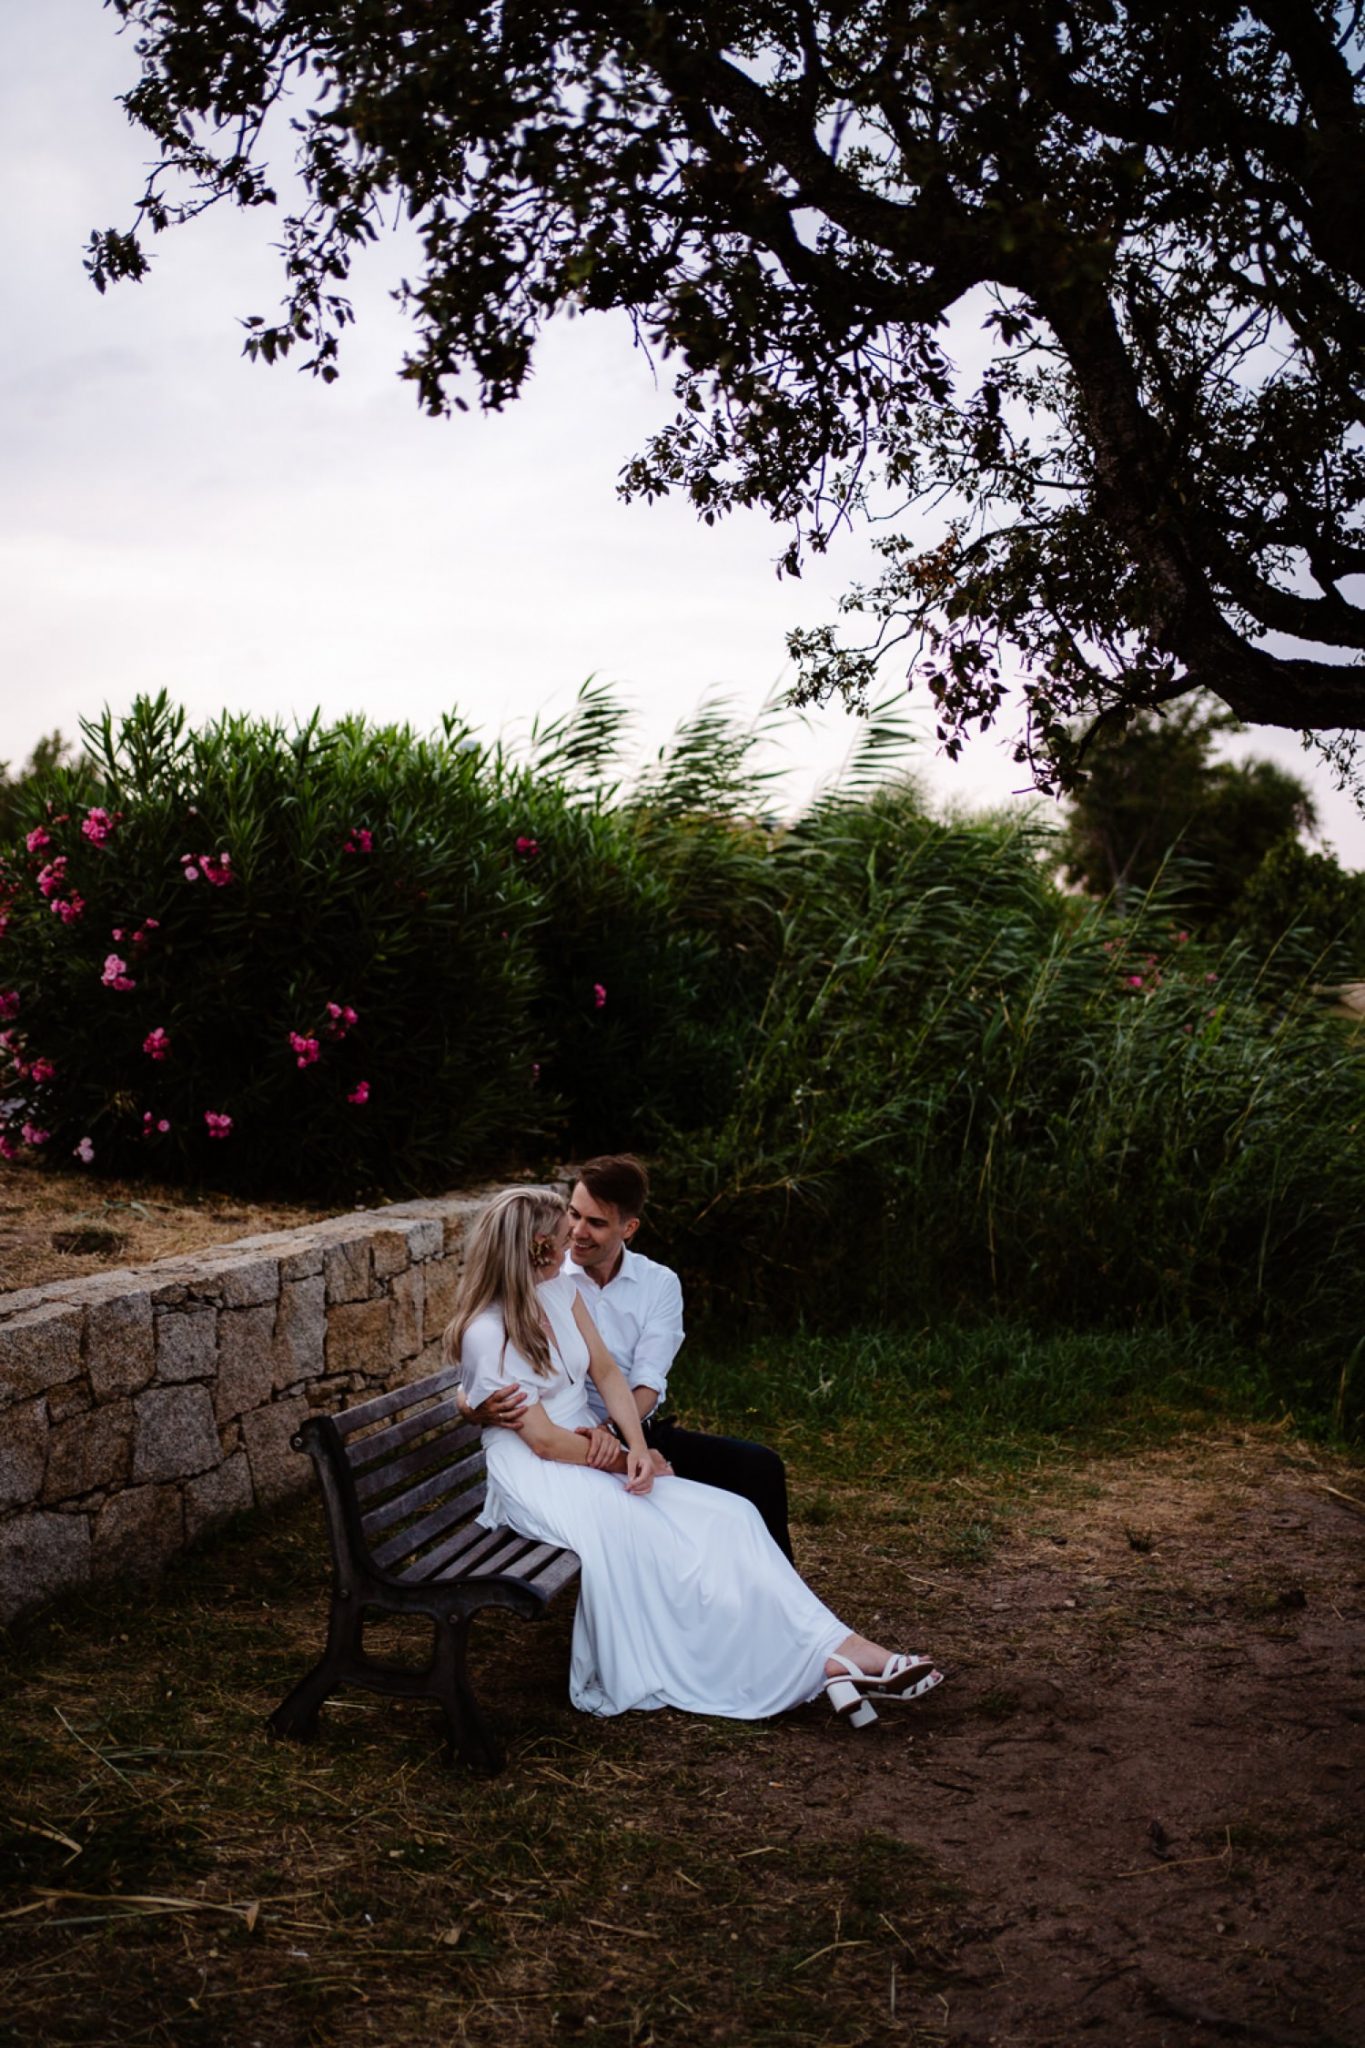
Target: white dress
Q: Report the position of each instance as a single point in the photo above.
(685, 1600)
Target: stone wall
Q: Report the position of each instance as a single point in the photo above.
(139, 1408)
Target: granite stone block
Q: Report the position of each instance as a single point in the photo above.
(360, 1338)
(186, 1343)
(120, 1344)
(407, 1293)
(277, 1470)
(246, 1359)
(216, 1495)
(300, 1331)
(92, 1451)
(137, 1531)
(39, 1349)
(23, 1453)
(41, 1554)
(347, 1269)
(176, 1433)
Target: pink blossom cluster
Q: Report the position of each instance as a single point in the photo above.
(52, 878)
(340, 1018)
(98, 824)
(599, 996)
(9, 1003)
(307, 1049)
(38, 838)
(151, 1125)
(116, 973)
(157, 1044)
(215, 868)
(220, 1126)
(41, 1072)
(360, 840)
(84, 1151)
(360, 1093)
(31, 1135)
(139, 937)
(528, 848)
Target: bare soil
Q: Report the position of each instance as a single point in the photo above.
(1132, 1815)
(63, 1226)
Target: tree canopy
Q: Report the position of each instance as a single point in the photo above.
(1068, 295)
(1157, 794)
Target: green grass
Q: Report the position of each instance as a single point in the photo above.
(986, 1397)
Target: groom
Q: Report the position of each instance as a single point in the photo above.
(637, 1306)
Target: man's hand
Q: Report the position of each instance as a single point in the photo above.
(662, 1468)
(505, 1408)
(604, 1452)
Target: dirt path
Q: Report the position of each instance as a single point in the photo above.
(1145, 1773)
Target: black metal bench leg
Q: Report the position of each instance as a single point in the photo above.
(471, 1736)
(297, 1715)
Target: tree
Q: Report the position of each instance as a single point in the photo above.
(1144, 474)
(1156, 793)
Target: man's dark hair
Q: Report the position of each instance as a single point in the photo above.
(619, 1178)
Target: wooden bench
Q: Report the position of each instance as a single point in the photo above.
(402, 1479)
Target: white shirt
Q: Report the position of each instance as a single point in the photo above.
(640, 1316)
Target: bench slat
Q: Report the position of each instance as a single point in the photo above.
(435, 1486)
(454, 1558)
(444, 1449)
(368, 1450)
(352, 1419)
(418, 1534)
(563, 1566)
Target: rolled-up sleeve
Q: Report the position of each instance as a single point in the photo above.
(661, 1334)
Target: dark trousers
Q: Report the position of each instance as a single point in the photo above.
(750, 1470)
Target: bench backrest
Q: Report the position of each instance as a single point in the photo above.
(403, 1479)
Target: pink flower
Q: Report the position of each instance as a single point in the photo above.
(151, 924)
(219, 1126)
(360, 1093)
(31, 1135)
(1134, 980)
(191, 872)
(97, 825)
(41, 1071)
(157, 1044)
(36, 838)
(528, 848)
(71, 911)
(1210, 977)
(360, 841)
(1182, 938)
(340, 1019)
(115, 973)
(219, 871)
(150, 1124)
(9, 1004)
(599, 996)
(7, 1150)
(85, 1151)
(308, 1049)
(50, 877)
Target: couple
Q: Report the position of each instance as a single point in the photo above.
(688, 1597)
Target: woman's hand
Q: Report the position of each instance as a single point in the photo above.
(639, 1471)
(662, 1468)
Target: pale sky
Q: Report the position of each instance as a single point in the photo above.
(173, 516)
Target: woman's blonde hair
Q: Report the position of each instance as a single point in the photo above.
(512, 1235)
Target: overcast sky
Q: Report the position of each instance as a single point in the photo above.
(173, 516)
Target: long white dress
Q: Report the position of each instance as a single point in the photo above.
(685, 1600)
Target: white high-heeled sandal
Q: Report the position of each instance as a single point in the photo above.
(845, 1698)
(904, 1676)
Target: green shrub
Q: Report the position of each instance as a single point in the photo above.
(321, 937)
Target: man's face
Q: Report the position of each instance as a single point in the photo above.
(597, 1231)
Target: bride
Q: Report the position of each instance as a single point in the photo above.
(685, 1600)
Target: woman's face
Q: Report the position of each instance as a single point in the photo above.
(548, 1250)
